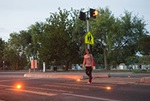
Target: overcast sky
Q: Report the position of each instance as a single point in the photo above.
(17, 15)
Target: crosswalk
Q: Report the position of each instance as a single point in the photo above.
(50, 89)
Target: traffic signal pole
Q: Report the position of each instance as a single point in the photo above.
(88, 26)
(92, 13)
(88, 29)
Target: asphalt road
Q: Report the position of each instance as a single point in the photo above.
(40, 89)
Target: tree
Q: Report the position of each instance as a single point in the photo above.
(2, 45)
(143, 45)
(144, 60)
(60, 39)
(14, 54)
(36, 31)
(144, 49)
(132, 29)
(117, 37)
(58, 43)
(102, 29)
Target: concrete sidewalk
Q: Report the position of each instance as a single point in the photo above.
(124, 78)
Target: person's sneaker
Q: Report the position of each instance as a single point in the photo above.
(88, 82)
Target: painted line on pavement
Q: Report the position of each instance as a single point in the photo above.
(35, 92)
(5, 80)
(24, 79)
(6, 86)
(37, 88)
(81, 85)
(64, 86)
(90, 97)
(54, 90)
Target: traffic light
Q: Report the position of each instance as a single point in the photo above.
(82, 16)
(93, 13)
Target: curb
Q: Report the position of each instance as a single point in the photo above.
(81, 76)
(67, 76)
(145, 80)
(53, 76)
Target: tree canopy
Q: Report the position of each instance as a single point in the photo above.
(60, 40)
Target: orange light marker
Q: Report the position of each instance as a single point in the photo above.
(18, 86)
(78, 80)
(108, 88)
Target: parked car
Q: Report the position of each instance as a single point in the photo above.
(148, 67)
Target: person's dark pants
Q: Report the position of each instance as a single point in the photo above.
(89, 73)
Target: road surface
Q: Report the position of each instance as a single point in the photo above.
(52, 89)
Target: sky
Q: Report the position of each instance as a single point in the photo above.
(17, 15)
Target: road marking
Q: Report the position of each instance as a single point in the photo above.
(81, 85)
(35, 92)
(64, 86)
(90, 97)
(54, 90)
(1, 81)
(46, 89)
(14, 79)
(5, 86)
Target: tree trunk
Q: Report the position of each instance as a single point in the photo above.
(67, 66)
(105, 60)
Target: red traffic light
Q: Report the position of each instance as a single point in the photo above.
(93, 13)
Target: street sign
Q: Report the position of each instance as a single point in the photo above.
(33, 64)
(89, 39)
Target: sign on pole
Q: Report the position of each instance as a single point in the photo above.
(89, 39)
(33, 64)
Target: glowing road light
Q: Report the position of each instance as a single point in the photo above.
(108, 88)
(18, 86)
(78, 80)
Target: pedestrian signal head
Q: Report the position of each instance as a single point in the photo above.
(93, 13)
(82, 16)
